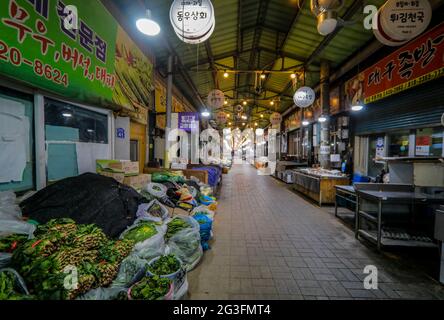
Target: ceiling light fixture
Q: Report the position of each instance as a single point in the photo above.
(225, 102)
(271, 103)
(147, 25)
(305, 123)
(226, 75)
(293, 76)
(244, 103)
(263, 76)
(357, 106)
(205, 113)
(322, 119)
(262, 115)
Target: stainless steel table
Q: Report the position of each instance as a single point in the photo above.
(394, 197)
(348, 194)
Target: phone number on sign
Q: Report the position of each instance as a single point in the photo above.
(15, 57)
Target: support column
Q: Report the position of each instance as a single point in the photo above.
(168, 110)
(324, 153)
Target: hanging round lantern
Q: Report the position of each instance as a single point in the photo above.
(275, 118)
(215, 99)
(381, 36)
(239, 108)
(304, 97)
(221, 117)
(407, 21)
(193, 21)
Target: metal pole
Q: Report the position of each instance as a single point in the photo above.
(168, 110)
(324, 154)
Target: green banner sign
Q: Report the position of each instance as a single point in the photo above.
(94, 62)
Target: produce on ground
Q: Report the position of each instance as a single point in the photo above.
(151, 288)
(62, 243)
(8, 287)
(141, 232)
(165, 265)
(10, 243)
(175, 226)
(156, 210)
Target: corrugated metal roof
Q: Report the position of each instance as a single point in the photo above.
(269, 30)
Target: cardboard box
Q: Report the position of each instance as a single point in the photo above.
(119, 177)
(137, 182)
(128, 168)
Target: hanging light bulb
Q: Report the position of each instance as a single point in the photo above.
(293, 76)
(147, 25)
(262, 115)
(226, 75)
(225, 102)
(305, 123)
(229, 123)
(263, 76)
(272, 103)
(243, 123)
(322, 119)
(244, 103)
(256, 124)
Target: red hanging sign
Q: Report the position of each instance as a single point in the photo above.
(419, 61)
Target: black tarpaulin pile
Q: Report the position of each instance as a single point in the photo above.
(87, 199)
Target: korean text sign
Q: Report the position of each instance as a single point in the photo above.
(417, 62)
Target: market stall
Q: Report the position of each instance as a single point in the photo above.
(318, 184)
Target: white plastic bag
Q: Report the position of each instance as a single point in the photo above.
(5, 259)
(151, 247)
(8, 227)
(144, 208)
(102, 294)
(156, 189)
(7, 197)
(131, 270)
(10, 212)
(185, 244)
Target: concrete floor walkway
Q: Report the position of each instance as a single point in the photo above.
(272, 244)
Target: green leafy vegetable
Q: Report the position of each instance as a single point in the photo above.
(151, 288)
(175, 226)
(165, 265)
(143, 231)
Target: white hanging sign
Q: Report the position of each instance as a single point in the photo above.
(275, 118)
(193, 21)
(304, 97)
(405, 20)
(215, 99)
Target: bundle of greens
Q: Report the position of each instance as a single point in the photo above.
(8, 287)
(62, 243)
(141, 232)
(165, 265)
(10, 243)
(175, 226)
(151, 288)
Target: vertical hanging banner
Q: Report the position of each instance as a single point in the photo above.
(418, 62)
(85, 56)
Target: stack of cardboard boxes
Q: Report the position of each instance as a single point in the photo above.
(126, 172)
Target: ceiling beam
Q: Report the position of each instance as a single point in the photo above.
(285, 41)
(212, 65)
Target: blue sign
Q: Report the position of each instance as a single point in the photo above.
(121, 133)
(187, 119)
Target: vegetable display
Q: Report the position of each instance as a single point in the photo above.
(10, 243)
(8, 287)
(165, 265)
(175, 226)
(62, 243)
(151, 288)
(141, 232)
(156, 210)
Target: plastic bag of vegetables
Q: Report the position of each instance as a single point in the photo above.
(149, 238)
(153, 211)
(12, 286)
(203, 210)
(183, 240)
(131, 270)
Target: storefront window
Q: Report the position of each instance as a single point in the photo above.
(399, 144)
(429, 142)
(16, 141)
(75, 138)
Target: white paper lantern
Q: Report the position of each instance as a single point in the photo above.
(275, 118)
(193, 21)
(215, 99)
(221, 117)
(304, 97)
(405, 20)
